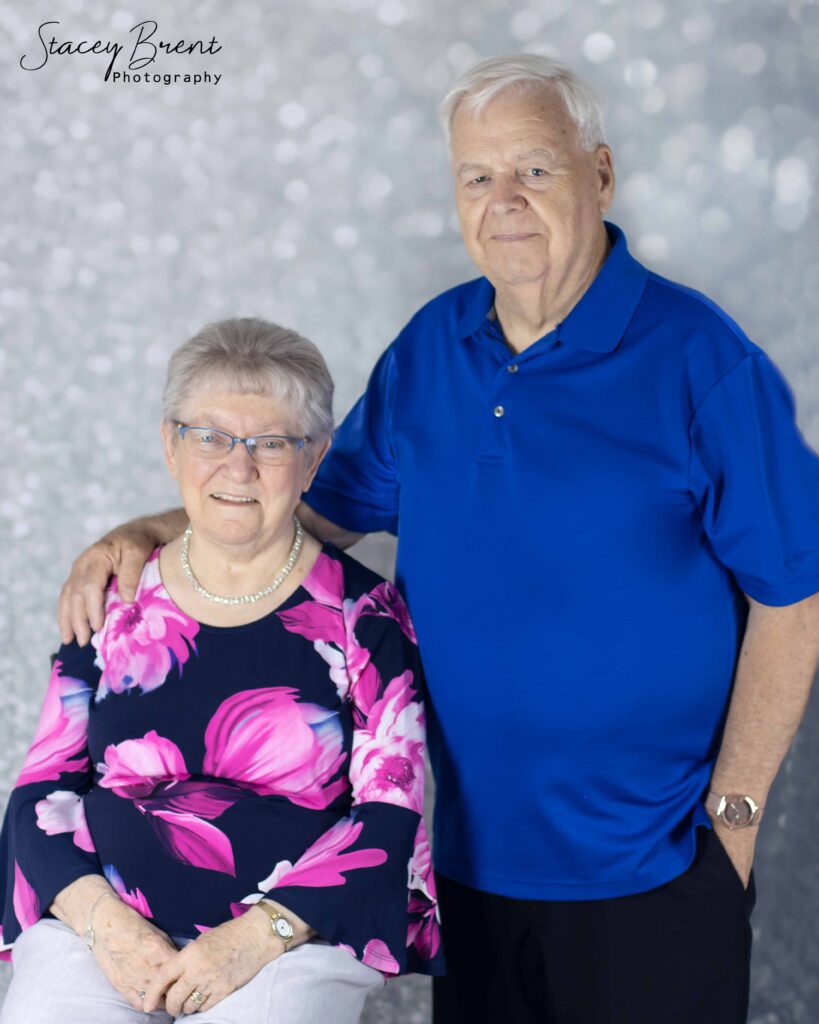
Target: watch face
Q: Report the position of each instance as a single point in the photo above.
(283, 928)
(737, 812)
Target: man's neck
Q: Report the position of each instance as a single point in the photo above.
(528, 312)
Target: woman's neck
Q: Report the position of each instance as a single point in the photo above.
(226, 576)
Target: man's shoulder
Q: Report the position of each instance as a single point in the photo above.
(448, 312)
(688, 314)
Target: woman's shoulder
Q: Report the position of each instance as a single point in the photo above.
(148, 580)
(349, 578)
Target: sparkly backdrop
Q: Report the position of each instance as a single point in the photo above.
(310, 185)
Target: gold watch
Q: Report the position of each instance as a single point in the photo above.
(281, 927)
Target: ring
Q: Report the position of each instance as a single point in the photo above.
(141, 993)
(196, 997)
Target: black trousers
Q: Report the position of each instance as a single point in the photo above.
(679, 954)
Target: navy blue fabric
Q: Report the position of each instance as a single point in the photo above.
(366, 899)
(575, 565)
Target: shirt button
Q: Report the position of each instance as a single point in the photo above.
(512, 368)
(499, 411)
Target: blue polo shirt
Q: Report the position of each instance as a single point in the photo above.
(576, 526)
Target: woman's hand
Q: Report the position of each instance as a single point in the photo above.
(129, 949)
(122, 553)
(220, 961)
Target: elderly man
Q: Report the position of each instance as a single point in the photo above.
(608, 534)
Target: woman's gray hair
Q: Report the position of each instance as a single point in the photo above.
(256, 357)
(481, 83)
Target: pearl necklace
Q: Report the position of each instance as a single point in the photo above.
(245, 598)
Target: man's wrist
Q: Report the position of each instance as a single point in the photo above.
(156, 529)
(733, 809)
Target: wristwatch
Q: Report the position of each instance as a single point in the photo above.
(282, 928)
(733, 809)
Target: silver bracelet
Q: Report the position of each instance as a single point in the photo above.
(88, 934)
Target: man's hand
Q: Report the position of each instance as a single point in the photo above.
(216, 964)
(739, 845)
(122, 553)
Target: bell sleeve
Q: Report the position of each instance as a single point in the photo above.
(756, 482)
(45, 843)
(367, 883)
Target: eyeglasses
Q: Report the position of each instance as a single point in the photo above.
(267, 449)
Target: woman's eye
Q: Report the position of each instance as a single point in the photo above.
(537, 172)
(273, 444)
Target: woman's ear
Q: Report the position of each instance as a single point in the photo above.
(317, 459)
(170, 442)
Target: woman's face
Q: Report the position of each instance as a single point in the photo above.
(215, 491)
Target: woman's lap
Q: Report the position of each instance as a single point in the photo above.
(57, 979)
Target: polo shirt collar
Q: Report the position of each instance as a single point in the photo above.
(599, 320)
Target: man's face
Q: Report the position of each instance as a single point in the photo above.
(530, 200)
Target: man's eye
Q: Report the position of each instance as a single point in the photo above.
(537, 172)
(480, 180)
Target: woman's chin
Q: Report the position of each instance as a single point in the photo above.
(231, 527)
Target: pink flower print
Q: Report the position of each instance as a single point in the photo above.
(419, 872)
(387, 761)
(141, 642)
(377, 955)
(64, 811)
(175, 811)
(193, 841)
(134, 768)
(25, 902)
(324, 862)
(325, 581)
(61, 731)
(424, 931)
(385, 601)
(324, 626)
(316, 622)
(132, 897)
(204, 798)
(266, 740)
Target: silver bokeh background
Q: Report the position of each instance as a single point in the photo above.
(310, 186)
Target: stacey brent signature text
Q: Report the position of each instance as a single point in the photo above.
(144, 50)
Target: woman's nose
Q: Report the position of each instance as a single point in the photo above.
(240, 463)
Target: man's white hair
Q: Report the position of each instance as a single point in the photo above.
(481, 83)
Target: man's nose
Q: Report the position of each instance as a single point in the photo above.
(507, 195)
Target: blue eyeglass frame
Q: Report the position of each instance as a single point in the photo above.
(250, 443)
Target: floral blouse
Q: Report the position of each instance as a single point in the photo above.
(200, 768)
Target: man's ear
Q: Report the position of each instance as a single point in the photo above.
(604, 168)
(170, 442)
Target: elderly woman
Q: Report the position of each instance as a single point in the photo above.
(221, 809)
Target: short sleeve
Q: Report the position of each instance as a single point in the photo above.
(357, 484)
(756, 482)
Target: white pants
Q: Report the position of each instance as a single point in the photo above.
(56, 980)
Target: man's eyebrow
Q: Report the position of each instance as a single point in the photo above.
(533, 154)
(470, 167)
(546, 154)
